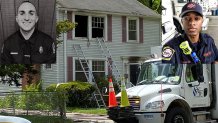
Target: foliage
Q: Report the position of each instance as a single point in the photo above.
(13, 72)
(63, 27)
(152, 4)
(87, 110)
(77, 93)
(104, 83)
(31, 101)
(34, 87)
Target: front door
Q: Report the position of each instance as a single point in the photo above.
(134, 73)
(196, 93)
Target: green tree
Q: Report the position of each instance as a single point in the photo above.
(152, 4)
(14, 72)
(63, 27)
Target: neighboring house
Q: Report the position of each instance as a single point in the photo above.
(129, 28)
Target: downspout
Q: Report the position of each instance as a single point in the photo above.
(57, 52)
(65, 50)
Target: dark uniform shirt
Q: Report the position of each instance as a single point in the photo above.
(38, 49)
(205, 49)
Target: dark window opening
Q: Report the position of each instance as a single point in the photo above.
(48, 66)
(81, 29)
(97, 27)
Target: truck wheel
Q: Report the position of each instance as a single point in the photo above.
(177, 115)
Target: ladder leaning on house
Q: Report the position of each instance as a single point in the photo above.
(86, 69)
(112, 64)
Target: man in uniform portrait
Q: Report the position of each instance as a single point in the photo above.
(28, 45)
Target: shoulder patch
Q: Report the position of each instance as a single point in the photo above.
(167, 53)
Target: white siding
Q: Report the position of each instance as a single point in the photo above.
(117, 48)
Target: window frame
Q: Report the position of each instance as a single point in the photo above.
(137, 29)
(48, 68)
(89, 62)
(188, 69)
(89, 37)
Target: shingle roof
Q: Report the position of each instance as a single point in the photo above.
(130, 7)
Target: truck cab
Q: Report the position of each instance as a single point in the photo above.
(174, 93)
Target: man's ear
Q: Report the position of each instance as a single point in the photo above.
(37, 18)
(16, 19)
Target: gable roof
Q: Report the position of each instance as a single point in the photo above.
(125, 7)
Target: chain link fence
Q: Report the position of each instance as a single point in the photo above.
(33, 103)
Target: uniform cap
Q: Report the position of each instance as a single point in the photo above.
(191, 7)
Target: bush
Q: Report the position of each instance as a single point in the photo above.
(76, 93)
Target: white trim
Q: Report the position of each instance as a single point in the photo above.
(89, 35)
(57, 52)
(89, 27)
(73, 20)
(105, 28)
(65, 51)
(74, 67)
(90, 59)
(137, 29)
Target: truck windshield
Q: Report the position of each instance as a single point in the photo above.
(156, 73)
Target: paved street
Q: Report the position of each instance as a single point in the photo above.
(88, 118)
(213, 28)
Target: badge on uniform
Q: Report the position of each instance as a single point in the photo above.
(167, 53)
(40, 49)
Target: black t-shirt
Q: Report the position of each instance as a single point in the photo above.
(38, 49)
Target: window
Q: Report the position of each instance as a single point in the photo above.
(97, 67)
(132, 30)
(81, 29)
(191, 74)
(97, 27)
(80, 76)
(47, 66)
(89, 26)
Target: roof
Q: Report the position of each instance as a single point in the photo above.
(129, 7)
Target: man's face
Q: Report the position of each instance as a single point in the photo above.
(192, 23)
(26, 17)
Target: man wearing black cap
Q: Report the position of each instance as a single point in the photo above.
(192, 46)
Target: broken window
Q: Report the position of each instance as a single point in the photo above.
(81, 29)
(97, 27)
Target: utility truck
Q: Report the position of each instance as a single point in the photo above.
(172, 93)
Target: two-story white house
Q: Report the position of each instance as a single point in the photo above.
(129, 29)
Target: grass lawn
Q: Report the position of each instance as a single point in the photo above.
(57, 119)
(87, 110)
(46, 119)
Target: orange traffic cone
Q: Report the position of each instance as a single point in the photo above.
(112, 98)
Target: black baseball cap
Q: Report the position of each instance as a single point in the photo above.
(191, 7)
